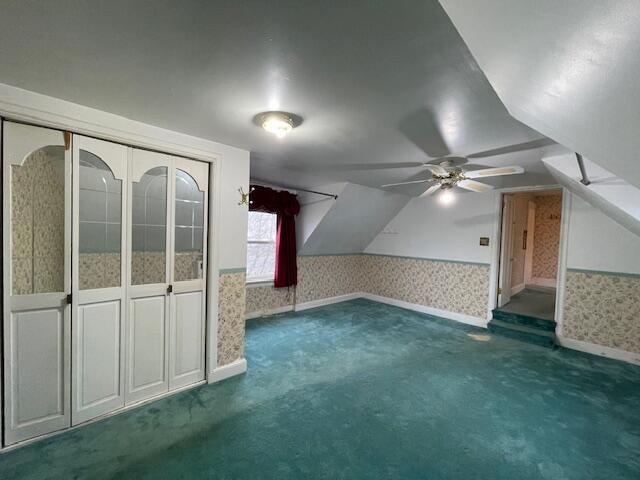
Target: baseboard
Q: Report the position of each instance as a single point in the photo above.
(600, 350)
(458, 317)
(327, 301)
(517, 289)
(230, 370)
(544, 282)
(265, 313)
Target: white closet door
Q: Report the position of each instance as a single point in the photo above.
(189, 259)
(37, 280)
(147, 336)
(99, 266)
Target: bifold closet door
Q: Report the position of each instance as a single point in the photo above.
(148, 275)
(37, 280)
(187, 301)
(99, 266)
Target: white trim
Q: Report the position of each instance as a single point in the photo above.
(327, 301)
(517, 289)
(31, 107)
(113, 413)
(268, 312)
(251, 283)
(544, 282)
(213, 273)
(226, 371)
(565, 220)
(457, 317)
(601, 351)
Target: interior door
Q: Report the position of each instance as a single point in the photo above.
(99, 266)
(506, 251)
(37, 280)
(187, 299)
(148, 275)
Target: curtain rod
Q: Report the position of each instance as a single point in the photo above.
(294, 189)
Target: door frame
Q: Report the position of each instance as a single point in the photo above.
(23, 106)
(494, 269)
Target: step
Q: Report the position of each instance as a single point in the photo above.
(524, 320)
(522, 333)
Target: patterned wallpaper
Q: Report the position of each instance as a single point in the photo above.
(37, 223)
(456, 287)
(231, 315)
(604, 309)
(327, 276)
(264, 298)
(99, 270)
(546, 237)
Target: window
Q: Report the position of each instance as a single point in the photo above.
(261, 247)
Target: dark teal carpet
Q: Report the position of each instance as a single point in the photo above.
(362, 390)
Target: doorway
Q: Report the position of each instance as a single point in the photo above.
(529, 252)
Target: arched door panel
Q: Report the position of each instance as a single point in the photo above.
(37, 280)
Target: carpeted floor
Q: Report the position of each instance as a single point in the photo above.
(361, 390)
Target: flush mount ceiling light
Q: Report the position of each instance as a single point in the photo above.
(278, 123)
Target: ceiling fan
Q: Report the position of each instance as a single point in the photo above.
(447, 174)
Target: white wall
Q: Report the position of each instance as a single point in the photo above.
(232, 232)
(426, 229)
(598, 243)
(353, 220)
(313, 209)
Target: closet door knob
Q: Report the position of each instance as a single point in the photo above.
(170, 289)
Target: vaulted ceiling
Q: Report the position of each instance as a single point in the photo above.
(376, 82)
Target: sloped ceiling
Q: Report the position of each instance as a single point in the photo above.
(350, 223)
(376, 82)
(568, 69)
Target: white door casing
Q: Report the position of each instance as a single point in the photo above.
(98, 273)
(506, 251)
(36, 311)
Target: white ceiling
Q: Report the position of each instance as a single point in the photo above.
(376, 82)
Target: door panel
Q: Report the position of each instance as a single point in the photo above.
(38, 359)
(37, 279)
(187, 341)
(98, 330)
(147, 347)
(186, 361)
(148, 275)
(99, 263)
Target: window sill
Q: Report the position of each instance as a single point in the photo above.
(259, 283)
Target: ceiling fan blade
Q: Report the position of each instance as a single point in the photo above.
(518, 147)
(474, 186)
(436, 169)
(430, 191)
(494, 172)
(406, 183)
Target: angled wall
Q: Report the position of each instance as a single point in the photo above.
(351, 222)
(566, 69)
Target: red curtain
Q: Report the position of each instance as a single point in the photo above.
(286, 206)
